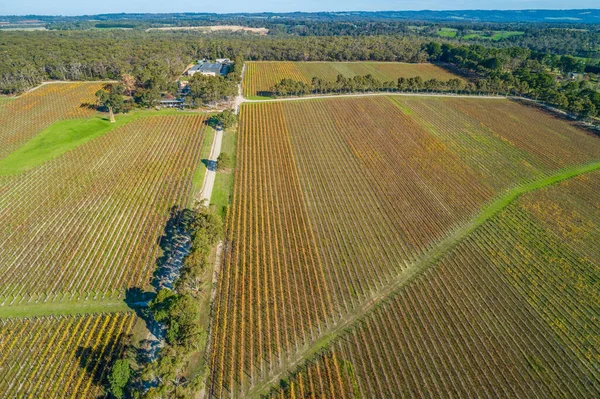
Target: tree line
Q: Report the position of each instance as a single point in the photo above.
(368, 83)
(553, 79)
(561, 38)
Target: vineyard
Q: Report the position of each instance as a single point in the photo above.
(335, 199)
(60, 357)
(503, 144)
(273, 295)
(373, 246)
(89, 221)
(24, 117)
(511, 312)
(260, 77)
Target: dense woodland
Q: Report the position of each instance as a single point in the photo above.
(27, 58)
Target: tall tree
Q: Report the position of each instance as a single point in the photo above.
(111, 98)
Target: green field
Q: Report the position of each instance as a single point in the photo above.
(495, 36)
(447, 32)
(477, 35)
(54, 141)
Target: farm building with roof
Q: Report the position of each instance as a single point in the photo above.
(208, 69)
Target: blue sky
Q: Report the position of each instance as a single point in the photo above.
(79, 7)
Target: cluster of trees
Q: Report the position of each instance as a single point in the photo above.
(522, 72)
(368, 83)
(178, 310)
(559, 40)
(223, 161)
(146, 92)
(225, 120)
(210, 89)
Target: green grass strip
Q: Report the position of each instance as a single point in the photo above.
(66, 307)
(5, 100)
(223, 188)
(54, 141)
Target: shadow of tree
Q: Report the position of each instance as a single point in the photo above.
(175, 244)
(137, 300)
(97, 362)
(91, 106)
(265, 93)
(210, 165)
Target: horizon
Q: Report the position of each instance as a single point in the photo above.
(295, 12)
(63, 7)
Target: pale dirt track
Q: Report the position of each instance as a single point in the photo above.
(211, 172)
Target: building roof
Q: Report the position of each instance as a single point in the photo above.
(207, 68)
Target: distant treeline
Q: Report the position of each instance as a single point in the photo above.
(562, 32)
(551, 78)
(115, 25)
(564, 16)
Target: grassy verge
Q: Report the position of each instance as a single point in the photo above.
(5, 99)
(197, 363)
(65, 307)
(223, 188)
(259, 98)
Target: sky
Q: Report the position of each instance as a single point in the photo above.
(81, 7)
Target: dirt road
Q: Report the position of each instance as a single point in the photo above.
(211, 172)
(314, 97)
